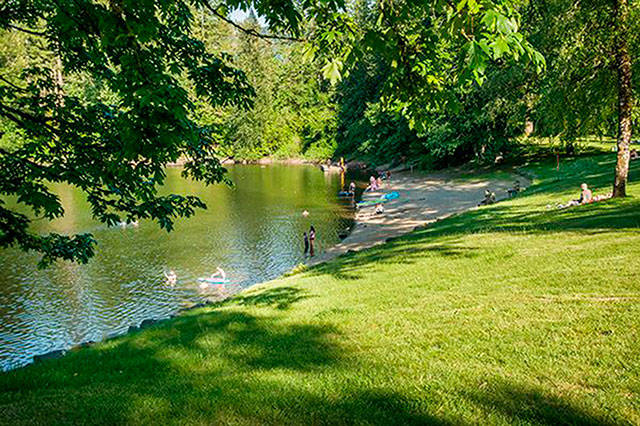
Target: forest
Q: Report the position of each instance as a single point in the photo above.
(104, 94)
(297, 112)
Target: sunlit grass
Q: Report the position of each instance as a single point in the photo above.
(511, 313)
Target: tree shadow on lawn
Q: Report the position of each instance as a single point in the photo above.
(444, 238)
(398, 251)
(229, 366)
(527, 405)
(596, 171)
(215, 367)
(278, 298)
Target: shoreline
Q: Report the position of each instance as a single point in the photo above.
(424, 199)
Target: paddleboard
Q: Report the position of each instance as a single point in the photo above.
(371, 202)
(213, 280)
(390, 196)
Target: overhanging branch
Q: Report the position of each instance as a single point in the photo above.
(250, 31)
(24, 30)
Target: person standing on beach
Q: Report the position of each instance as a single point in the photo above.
(306, 243)
(312, 239)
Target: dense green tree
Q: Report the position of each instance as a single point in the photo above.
(146, 80)
(440, 122)
(114, 145)
(592, 54)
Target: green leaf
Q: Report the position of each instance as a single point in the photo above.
(500, 47)
(332, 71)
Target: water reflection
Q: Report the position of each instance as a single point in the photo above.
(253, 230)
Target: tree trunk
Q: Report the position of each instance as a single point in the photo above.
(623, 62)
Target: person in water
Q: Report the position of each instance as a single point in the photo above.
(219, 274)
(171, 277)
(312, 239)
(306, 242)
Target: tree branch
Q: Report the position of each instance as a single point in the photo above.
(24, 30)
(250, 31)
(21, 89)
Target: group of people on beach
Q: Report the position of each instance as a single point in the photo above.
(375, 183)
(490, 197)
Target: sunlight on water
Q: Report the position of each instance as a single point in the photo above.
(253, 230)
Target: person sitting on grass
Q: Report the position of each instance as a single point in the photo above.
(515, 190)
(602, 197)
(489, 198)
(586, 196)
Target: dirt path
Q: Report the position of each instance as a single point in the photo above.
(423, 199)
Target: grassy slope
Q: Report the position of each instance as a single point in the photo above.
(507, 314)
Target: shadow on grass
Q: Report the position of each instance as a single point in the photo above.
(397, 251)
(525, 405)
(212, 368)
(200, 357)
(226, 367)
(444, 238)
(279, 298)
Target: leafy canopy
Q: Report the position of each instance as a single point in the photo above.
(151, 75)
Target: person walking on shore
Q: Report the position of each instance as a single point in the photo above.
(312, 240)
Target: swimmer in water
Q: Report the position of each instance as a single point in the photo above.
(219, 274)
(305, 213)
(171, 277)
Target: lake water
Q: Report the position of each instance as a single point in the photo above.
(252, 230)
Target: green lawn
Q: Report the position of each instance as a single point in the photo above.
(511, 313)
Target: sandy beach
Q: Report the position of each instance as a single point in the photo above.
(423, 199)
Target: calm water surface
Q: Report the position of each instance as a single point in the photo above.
(252, 230)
